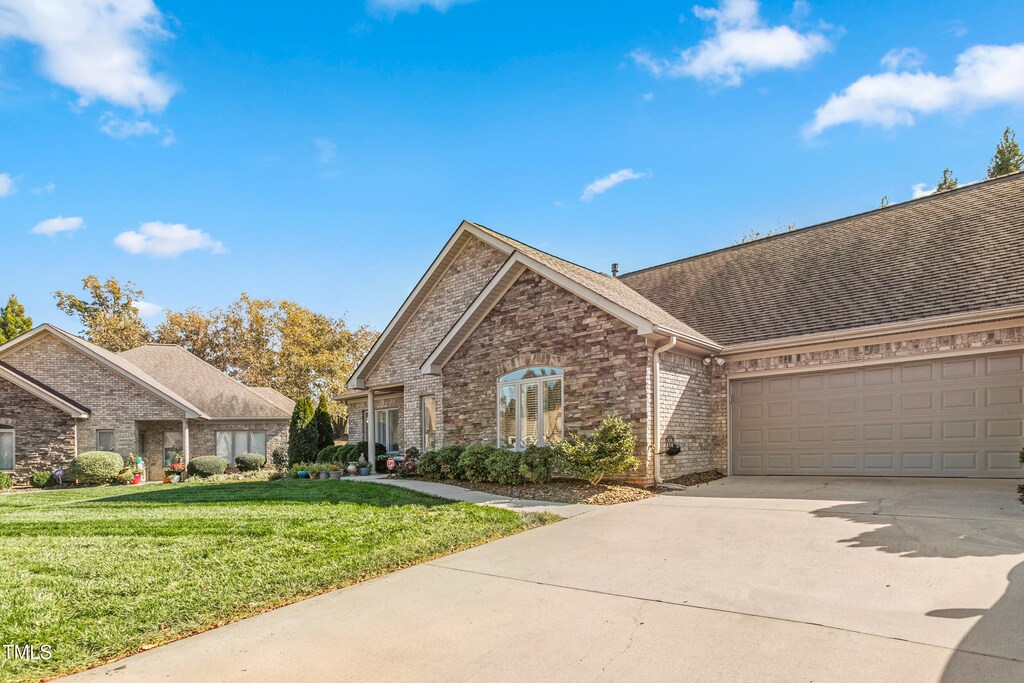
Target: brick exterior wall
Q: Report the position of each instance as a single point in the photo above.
(684, 393)
(538, 323)
(44, 436)
(114, 401)
(355, 419)
(470, 271)
(895, 350)
(202, 439)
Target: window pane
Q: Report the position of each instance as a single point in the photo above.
(258, 443)
(428, 416)
(6, 450)
(382, 427)
(507, 416)
(224, 444)
(393, 432)
(105, 440)
(553, 419)
(529, 373)
(528, 421)
(173, 444)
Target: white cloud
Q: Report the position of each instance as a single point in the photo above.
(98, 48)
(985, 76)
(147, 309)
(326, 151)
(48, 188)
(922, 190)
(6, 185)
(902, 58)
(52, 226)
(648, 97)
(740, 44)
(602, 185)
(159, 239)
(121, 129)
(393, 7)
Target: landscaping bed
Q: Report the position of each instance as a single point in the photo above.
(697, 478)
(99, 573)
(561, 491)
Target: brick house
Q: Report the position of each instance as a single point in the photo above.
(61, 395)
(886, 343)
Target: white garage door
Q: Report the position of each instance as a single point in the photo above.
(954, 417)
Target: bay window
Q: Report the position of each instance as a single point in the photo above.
(530, 408)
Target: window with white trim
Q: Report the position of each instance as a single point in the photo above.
(428, 422)
(105, 439)
(6, 449)
(231, 444)
(387, 429)
(530, 404)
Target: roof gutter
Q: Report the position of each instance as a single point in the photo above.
(656, 370)
(688, 338)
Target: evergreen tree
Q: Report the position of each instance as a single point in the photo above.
(13, 320)
(301, 448)
(1008, 158)
(322, 424)
(948, 182)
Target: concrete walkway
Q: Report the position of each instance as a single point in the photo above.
(745, 579)
(450, 492)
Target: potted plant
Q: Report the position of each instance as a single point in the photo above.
(324, 471)
(136, 475)
(364, 466)
(173, 473)
(312, 471)
(335, 471)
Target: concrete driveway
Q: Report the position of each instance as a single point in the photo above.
(745, 579)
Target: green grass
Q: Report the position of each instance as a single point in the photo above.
(101, 573)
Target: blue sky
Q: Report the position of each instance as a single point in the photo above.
(324, 152)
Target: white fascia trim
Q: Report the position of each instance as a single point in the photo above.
(39, 392)
(73, 341)
(358, 381)
(919, 325)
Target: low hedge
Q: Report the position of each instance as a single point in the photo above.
(94, 467)
(207, 466)
(250, 462)
(42, 480)
(5, 481)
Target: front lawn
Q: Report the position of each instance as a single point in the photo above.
(104, 572)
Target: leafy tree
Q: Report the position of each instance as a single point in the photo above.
(301, 447)
(250, 343)
(13, 320)
(322, 424)
(948, 182)
(1008, 157)
(200, 333)
(108, 315)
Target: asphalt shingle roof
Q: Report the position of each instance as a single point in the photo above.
(954, 252)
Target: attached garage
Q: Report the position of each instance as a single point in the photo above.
(951, 417)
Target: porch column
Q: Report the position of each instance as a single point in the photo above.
(184, 440)
(371, 432)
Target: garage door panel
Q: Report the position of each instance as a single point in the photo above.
(950, 417)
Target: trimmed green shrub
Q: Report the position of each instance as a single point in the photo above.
(280, 459)
(539, 462)
(207, 466)
(94, 467)
(42, 480)
(609, 450)
(5, 481)
(448, 461)
(249, 462)
(473, 463)
(327, 453)
(505, 466)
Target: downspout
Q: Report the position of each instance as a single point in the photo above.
(656, 363)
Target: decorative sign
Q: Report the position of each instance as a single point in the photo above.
(391, 464)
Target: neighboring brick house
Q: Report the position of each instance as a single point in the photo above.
(886, 343)
(61, 395)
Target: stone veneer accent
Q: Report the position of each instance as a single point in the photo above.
(114, 401)
(470, 271)
(44, 435)
(537, 322)
(827, 359)
(684, 388)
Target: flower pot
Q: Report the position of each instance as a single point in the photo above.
(137, 479)
(325, 475)
(364, 471)
(335, 474)
(303, 474)
(176, 479)
(351, 469)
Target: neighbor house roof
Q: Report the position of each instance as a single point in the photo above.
(42, 391)
(216, 394)
(948, 253)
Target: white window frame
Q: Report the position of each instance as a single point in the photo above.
(423, 422)
(14, 448)
(113, 441)
(520, 407)
(248, 442)
(387, 429)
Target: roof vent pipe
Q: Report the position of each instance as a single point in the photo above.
(615, 270)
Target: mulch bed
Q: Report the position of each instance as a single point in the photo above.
(697, 478)
(562, 491)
